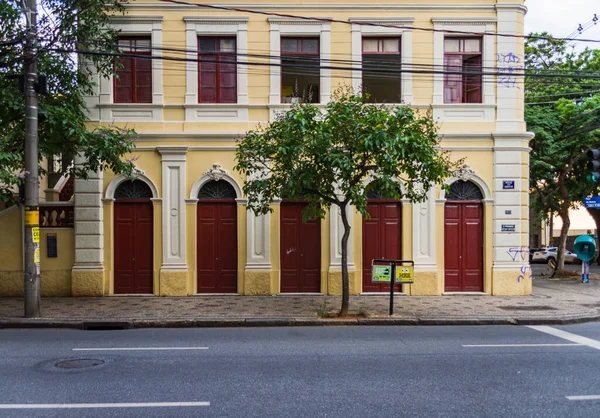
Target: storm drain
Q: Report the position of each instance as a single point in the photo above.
(79, 363)
(528, 308)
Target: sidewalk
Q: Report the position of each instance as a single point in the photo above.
(552, 302)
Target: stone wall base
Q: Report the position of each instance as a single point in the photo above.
(511, 283)
(88, 283)
(258, 282)
(174, 283)
(426, 283)
(334, 282)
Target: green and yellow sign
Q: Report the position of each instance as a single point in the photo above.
(382, 274)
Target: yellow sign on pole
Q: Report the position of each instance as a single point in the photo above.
(404, 274)
(36, 256)
(35, 233)
(32, 217)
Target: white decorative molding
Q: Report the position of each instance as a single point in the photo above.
(424, 230)
(465, 173)
(465, 112)
(298, 27)
(214, 26)
(116, 182)
(173, 160)
(103, 108)
(216, 172)
(210, 175)
(258, 242)
(403, 30)
(475, 178)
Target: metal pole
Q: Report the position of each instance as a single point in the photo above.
(392, 285)
(32, 266)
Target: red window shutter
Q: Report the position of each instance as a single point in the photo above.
(123, 85)
(143, 80)
(473, 82)
(207, 79)
(227, 79)
(453, 82)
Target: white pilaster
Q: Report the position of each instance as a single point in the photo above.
(173, 208)
(258, 243)
(89, 235)
(423, 236)
(510, 59)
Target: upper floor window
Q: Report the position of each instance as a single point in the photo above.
(133, 78)
(462, 67)
(217, 70)
(300, 70)
(381, 63)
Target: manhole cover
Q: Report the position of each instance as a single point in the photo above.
(528, 308)
(79, 363)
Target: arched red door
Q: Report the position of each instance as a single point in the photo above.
(382, 236)
(463, 238)
(217, 238)
(300, 250)
(133, 239)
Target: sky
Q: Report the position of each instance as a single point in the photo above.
(562, 17)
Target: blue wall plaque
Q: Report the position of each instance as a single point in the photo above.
(508, 184)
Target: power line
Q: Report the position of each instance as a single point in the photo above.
(321, 19)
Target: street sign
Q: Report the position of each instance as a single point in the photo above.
(508, 184)
(592, 202)
(382, 274)
(404, 274)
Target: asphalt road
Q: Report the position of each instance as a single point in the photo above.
(468, 371)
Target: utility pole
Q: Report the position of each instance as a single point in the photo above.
(31, 231)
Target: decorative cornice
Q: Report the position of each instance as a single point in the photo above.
(292, 21)
(512, 7)
(216, 19)
(465, 21)
(416, 7)
(216, 172)
(395, 20)
(167, 151)
(129, 19)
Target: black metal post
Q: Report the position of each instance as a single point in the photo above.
(392, 285)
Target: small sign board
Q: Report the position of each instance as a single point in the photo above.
(508, 212)
(404, 274)
(508, 184)
(382, 274)
(592, 202)
(508, 228)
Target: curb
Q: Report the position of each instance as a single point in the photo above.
(121, 324)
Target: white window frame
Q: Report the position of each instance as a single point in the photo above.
(360, 32)
(135, 112)
(282, 27)
(465, 112)
(197, 26)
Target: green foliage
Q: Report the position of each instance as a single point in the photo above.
(328, 157)
(65, 26)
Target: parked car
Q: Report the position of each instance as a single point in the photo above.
(549, 254)
(532, 251)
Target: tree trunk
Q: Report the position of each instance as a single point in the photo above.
(345, 279)
(562, 242)
(595, 213)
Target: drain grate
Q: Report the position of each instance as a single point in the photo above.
(79, 363)
(528, 308)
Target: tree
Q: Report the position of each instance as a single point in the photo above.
(63, 28)
(562, 89)
(327, 157)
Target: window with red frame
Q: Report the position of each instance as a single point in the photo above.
(217, 70)
(300, 70)
(133, 80)
(462, 64)
(381, 66)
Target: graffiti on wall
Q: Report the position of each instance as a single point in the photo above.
(508, 66)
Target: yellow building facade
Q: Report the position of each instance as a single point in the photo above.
(182, 228)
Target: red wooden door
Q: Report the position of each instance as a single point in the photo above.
(463, 247)
(133, 247)
(382, 238)
(217, 247)
(300, 251)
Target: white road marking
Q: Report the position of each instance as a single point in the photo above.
(101, 405)
(522, 345)
(567, 336)
(584, 398)
(138, 348)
